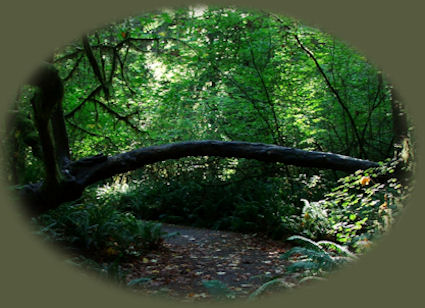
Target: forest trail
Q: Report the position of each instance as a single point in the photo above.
(241, 262)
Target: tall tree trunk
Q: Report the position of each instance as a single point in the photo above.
(60, 136)
(49, 120)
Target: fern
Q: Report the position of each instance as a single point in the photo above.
(339, 248)
(310, 278)
(316, 258)
(305, 242)
(267, 285)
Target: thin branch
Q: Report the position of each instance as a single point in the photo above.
(74, 69)
(124, 78)
(375, 105)
(335, 92)
(71, 55)
(268, 97)
(88, 98)
(119, 116)
(88, 132)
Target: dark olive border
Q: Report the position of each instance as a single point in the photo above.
(389, 33)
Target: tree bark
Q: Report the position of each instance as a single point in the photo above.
(48, 118)
(87, 171)
(60, 136)
(66, 180)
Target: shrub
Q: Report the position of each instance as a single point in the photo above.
(316, 258)
(358, 210)
(100, 229)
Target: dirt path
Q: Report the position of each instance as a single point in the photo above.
(237, 261)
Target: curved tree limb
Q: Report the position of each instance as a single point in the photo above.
(87, 171)
(138, 158)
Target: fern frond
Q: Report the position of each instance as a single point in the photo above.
(306, 242)
(309, 278)
(340, 248)
(266, 285)
(309, 253)
(303, 266)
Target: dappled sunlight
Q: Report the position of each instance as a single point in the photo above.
(209, 154)
(116, 188)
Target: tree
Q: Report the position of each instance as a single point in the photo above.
(292, 83)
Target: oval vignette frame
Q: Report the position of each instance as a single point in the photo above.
(381, 276)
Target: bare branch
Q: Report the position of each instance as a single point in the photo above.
(337, 96)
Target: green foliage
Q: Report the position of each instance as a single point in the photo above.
(175, 192)
(226, 74)
(250, 197)
(357, 211)
(314, 217)
(361, 208)
(100, 229)
(316, 258)
(23, 159)
(223, 74)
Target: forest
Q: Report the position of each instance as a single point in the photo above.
(209, 153)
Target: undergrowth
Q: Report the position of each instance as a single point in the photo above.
(308, 260)
(106, 224)
(99, 229)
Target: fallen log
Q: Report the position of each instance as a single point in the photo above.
(82, 173)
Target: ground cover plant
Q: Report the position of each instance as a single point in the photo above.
(194, 146)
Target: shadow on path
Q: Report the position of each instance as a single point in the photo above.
(241, 262)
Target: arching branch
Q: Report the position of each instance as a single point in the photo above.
(90, 170)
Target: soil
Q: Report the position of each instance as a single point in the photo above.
(202, 264)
